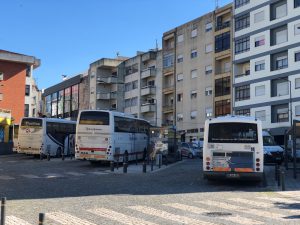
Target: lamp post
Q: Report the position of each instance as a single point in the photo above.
(290, 100)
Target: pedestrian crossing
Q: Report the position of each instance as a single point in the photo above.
(254, 211)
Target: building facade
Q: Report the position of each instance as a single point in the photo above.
(188, 61)
(19, 94)
(65, 99)
(267, 62)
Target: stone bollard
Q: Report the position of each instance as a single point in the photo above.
(41, 218)
(125, 167)
(282, 178)
(144, 167)
(3, 203)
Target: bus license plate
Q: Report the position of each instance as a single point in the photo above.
(232, 175)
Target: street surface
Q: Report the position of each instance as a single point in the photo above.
(76, 192)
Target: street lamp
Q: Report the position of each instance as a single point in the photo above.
(290, 92)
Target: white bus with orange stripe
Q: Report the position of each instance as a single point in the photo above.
(103, 135)
(233, 148)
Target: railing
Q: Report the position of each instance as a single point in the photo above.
(242, 75)
(148, 73)
(107, 80)
(222, 26)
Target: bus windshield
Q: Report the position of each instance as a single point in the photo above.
(31, 122)
(94, 118)
(232, 133)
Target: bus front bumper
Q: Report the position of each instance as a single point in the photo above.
(233, 175)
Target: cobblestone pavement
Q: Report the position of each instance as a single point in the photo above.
(175, 195)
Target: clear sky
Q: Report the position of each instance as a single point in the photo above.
(68, 35)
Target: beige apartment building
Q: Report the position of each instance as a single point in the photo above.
(188, 60)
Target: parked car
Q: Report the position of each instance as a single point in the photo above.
(189, 150)
(273, 153)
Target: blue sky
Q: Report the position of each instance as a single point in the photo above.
(68, 35)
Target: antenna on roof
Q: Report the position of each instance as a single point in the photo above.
(64, 77)
(156, 44)
(118, 53)
(217, 4)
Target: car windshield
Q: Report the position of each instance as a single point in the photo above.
(268, 141)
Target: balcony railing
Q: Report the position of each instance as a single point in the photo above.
(148, 107)
(106, 95)
(148, 56)
(167, 108)
(247, 73)
(148, 73)
(222, 26)
(148, 90)
(107, 80)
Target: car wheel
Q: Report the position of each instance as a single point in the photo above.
(190, 155)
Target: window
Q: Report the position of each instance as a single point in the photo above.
(279, 35)
(193, 94)
(151, 83)
(258, 17)
(1, 76)
(131, 69)
(208, 48)
(180, 38)
(280, 113)
(278, 10)
(239, 3)
(222, 86)
(279, 61)
(261, 115)
(194, 53)
(134, 101)
(208, 27)
(242, 112)
(260, 90)
(179, 117)
(208, 112)
(242, 92)
(208, 69)
(296, 3)
(194, 74)
(297, 56)
(127, 102)
(222, 42)
(179, 58)
(259, 41)
(179, 97)
(26, 110)
(27, 90)
(222, 107)
(297, 29)
(260, 65)
(193, 114)
(279, 87)
(135, 84)
(297, 110)
(242, 45)
(28, 71)
(242, 22)
(194, 33)
(179, 77)
(128, 86)
(208, 91)
(297, 83)
(168, 61)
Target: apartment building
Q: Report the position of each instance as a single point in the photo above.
(266, 62)
(142, 85)
(106, 84)
(65, 99)
(222, 67)
(188, 61)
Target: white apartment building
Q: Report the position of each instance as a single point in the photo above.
(267, 62)
(143, 86)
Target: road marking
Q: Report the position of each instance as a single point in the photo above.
(31, 176)
(75, 174)
(4, 177)
(169, 216)
(67, 219)
(53, 175)
(236, 219)
(119, 217)
(253, 203)
(98, 173)
(12, 220)
(247, 210)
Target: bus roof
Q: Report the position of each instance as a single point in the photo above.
(57, 120)
(233, 118)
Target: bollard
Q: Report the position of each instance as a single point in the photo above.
(159, 161)
(278, 181)
(62, 156)
(282, 178)
(41, 218)
(112, 166)
(136, 158)
(48, 156)
(3, 202)
(71, 156)
(144, 167)
(125, 167)
(276, 171)
(152, 162)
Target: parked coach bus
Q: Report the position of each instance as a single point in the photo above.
(110, 136)
(46, 136)
(233, 148)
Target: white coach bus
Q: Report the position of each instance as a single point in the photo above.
(46, 136)
(110, 136)
(233, 148)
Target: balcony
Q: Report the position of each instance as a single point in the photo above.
(148, 107)
(168, 108)
(148, 56)
(148, 90)
(168, 89)
(222, 26)
(148, 73)
(107, 80)
(106, 95)
(247, 73)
